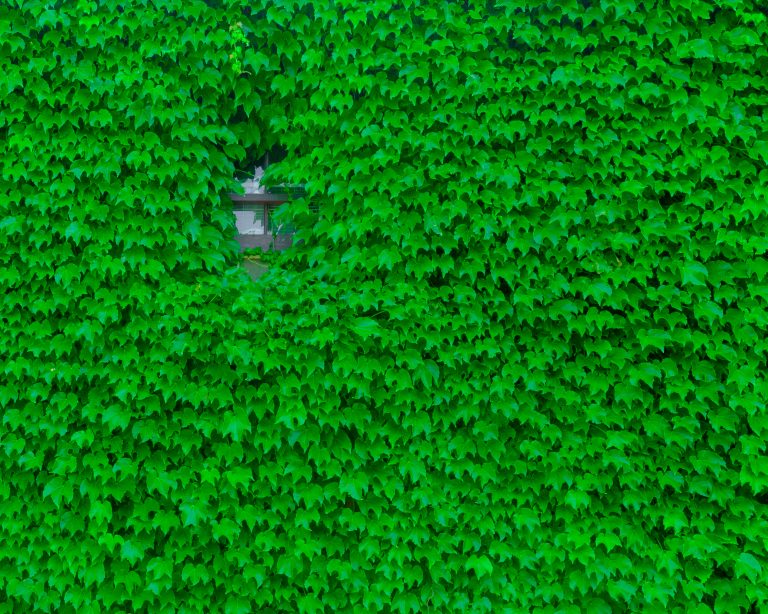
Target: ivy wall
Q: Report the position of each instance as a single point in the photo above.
(517, 365)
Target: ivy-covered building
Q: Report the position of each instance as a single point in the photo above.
(517, 363)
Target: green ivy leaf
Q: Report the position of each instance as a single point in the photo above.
(366, 327)
(700, 48)
(577, 499)
(695, 274)
(236, 424)
(58, 490)
(747, 565)
(242, 476)
(130, 552)
(355, 485)
(481, 565)
(237, 604)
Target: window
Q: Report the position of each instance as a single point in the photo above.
(284, 228)
(255, 210)
(249, 218)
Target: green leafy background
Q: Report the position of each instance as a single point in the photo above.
(517, 364)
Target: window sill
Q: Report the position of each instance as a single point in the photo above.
(260, 198)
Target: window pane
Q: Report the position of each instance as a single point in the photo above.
(286, 228)
(249, 218)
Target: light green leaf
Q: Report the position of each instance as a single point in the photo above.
(701, 48)
(748, 565)
(355, 485)
(239, 475)
(58, 490)
(131, 552)
(237, 604)
(481, 565)
(236, 424)
(695, 274)
(366, 327)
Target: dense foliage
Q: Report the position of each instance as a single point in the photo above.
(517, 364)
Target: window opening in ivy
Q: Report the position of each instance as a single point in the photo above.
(250, 218)
(255, 210)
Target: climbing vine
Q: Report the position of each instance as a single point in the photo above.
(238, 45)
